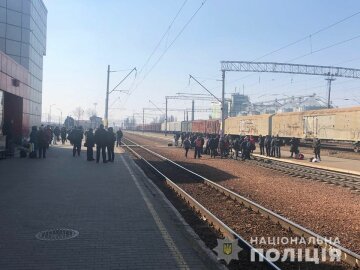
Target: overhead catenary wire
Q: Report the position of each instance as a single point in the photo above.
(168, 47)
(163, 36)
(311, 35)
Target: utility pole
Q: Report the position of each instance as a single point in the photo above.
(330, 79)
(106, 120)
(143, 124)
(107, 98)
(166, 115)
(223, 104)
(193, 110)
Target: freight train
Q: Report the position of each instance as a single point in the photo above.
(332, 125)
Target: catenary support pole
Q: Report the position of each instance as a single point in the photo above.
(107, 98)
(166, 115)
(223, 104)
(193, 110)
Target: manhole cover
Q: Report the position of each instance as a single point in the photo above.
(57, 234)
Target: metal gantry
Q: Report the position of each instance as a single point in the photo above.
(248, 66)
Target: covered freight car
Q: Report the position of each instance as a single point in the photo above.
(328, 124)
(206, 126)
(212, 127)
(186, 126)
(249, 125)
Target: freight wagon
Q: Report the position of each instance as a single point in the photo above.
(186, 126)
(249, 125)
(172, 127)
(328, 124)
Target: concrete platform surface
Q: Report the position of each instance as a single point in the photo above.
(122, 219)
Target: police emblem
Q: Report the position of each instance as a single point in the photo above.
(227, 250)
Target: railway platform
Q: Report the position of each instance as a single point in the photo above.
(64, 212)
(327, 162)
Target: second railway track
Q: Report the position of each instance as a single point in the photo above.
(345, 179)
(224, 208)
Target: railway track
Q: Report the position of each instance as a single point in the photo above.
(184, 182)
(344, 179)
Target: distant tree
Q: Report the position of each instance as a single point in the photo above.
(91, 112)
(78, 113)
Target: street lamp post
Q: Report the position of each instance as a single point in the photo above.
(60, 116)
(50, 113)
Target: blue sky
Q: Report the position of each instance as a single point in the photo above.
(84, 36)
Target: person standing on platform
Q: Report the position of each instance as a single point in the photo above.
(77, 136)
(261, 142)
(56, 135)
(272, 146)
(197, 147)
(63, 135)
(277, 145)
(236, 147)
(245, 148)
(110, 144)
(317, 148)
(212, 147)
(187, 145)
(294, 147)
(119, 136)
(34, 141)
(267, 142)
(100, 140)
(89, 144)
(43, 142)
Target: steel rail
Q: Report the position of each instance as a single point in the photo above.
(212, 219)
(347, 255)
(337, 177)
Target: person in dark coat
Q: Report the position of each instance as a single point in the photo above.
(34, 140)
(187, 145)
(76, 137)
(272, 147)
(236, 147)
(261, 142)
(119, 136)
(43, 143)
(267, 143)
(100, 140)
(89, 143)
(63, 135)
(277, 145)
(294, 147)
(245, 148)
(56, 135)
(110, 144)
(212, 147)
(317, 148)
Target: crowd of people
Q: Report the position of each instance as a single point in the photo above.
(228, 146)
(103, 139)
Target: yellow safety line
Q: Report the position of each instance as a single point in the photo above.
(164, 233)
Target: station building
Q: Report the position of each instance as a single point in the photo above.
(22, 48)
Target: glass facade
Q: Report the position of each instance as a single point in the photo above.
(1, 110)
(23, 39)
